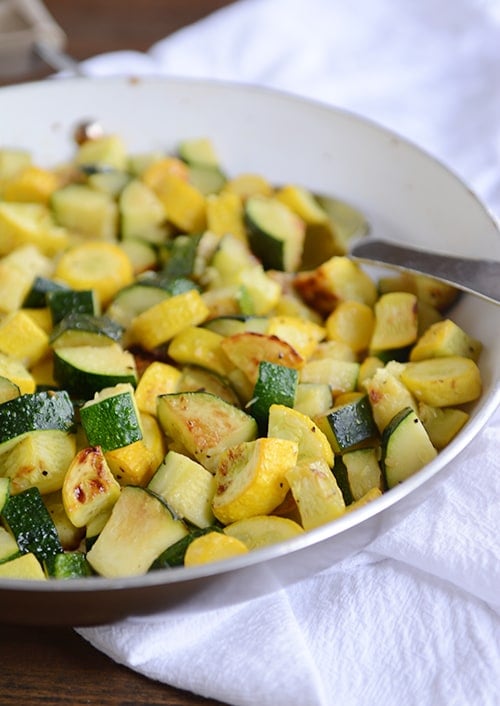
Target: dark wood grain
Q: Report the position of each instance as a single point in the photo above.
(54, 665)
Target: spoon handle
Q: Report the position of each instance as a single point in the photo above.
(481, 277)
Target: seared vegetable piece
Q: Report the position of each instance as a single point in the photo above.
(23, 338)
(116, 552)
(286, 423)
(14, 370)
(316, 492)
(406, 447)
(263, 530)
(85, 370)
(89, 487)
(349, 426)
(39, 459)
(175, 553)
(187, 487)
(30, 223)
(276, 384)
(205, 425)
(387, 394)
(157, 379)
(276, 233)
(8, 389)
(32, 412)
(340, 375)
(396, 321)
(247, 350)
(31, 524)
(111, 419)
(351, 322)
(250, 478)
(336, 280)
(441, 423)
(199, 346)
(443, 382)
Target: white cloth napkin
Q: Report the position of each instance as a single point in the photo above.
(414, 619)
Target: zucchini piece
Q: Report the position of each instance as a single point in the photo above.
(34, 412)
(206, 179)
(363, 471)
(134, 299)
(142, 214)
(442, 423)
(276, 234)
(213, 546)
(229, 325)
(316, 492)
(85, 329)
(340, 375)
(39, 459)
(251, 478)
(89, 487)
(194, 379)
(85, 370)
(86, 211)
(63, 302)
(276, 385)
(349, 426)
(69, 535)
(182, 254)
(111, 419)
(406, 447)
(110, 181)
(443, 382)
(205, 425)
(68, 565)
(29, 521)
(312, 399)
(141, 253)
(263, 530)
(347, 221)
(186, 487)
(286, 423)
(102, 153)
(36, 298)
(4, 492)
(140, 528)
(198, 150)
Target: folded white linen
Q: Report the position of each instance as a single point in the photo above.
(413, 619)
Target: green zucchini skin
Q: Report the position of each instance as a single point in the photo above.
(30, 522)
(36, 411)
(41, 287)
(276, 384)
(406, 447)
(351, 425)
(67, 565)
(83, 326)
(62, 302)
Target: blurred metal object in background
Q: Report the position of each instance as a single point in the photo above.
(28, 35)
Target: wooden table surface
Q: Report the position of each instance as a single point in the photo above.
(54, 665)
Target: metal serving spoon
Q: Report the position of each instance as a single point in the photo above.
(481, 277)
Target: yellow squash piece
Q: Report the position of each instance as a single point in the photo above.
(101, 266)
(30, 223)
(225, 215)
(161, 322)
(287, 423)
(213, 546)
(445, 338)
(89, 487)
(133, 464)
(200, 346)
(22, 338)
(301, 334)
(157, 379)
(14, 370)
(183, 203)
(25, 567)
(443, 382)
(388, 395)
(246, 350)
(396, 321)
(31, 185)
(250, 478)
(39, 459)
(316, 492)
(263, 530)
(351, 322)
